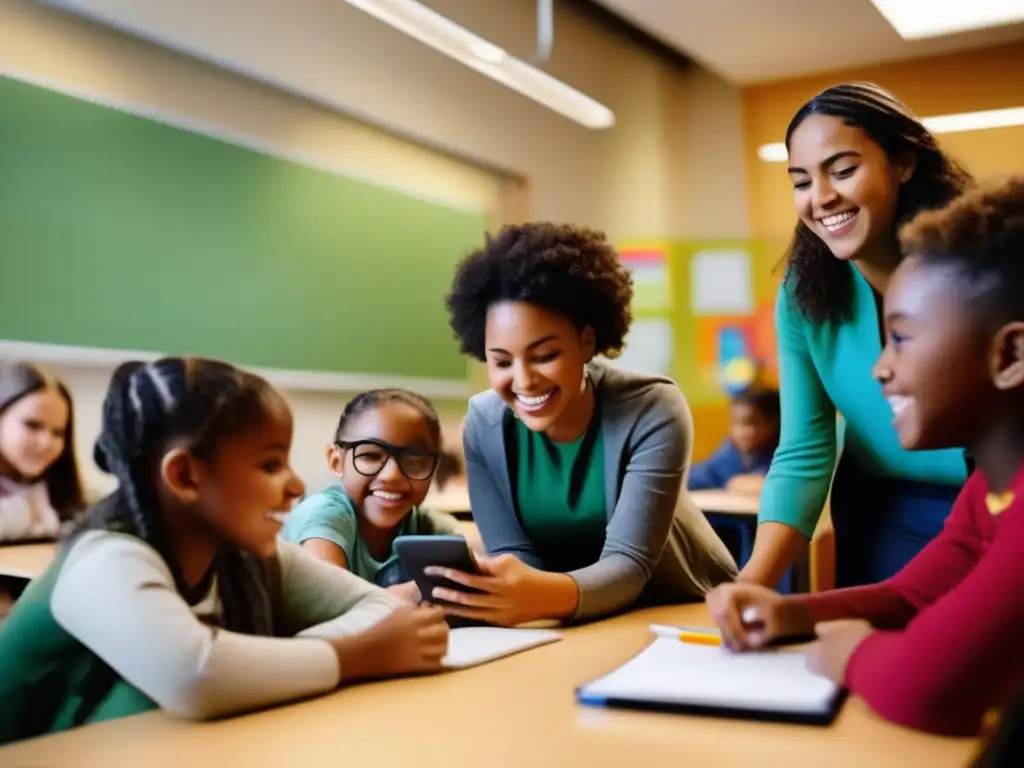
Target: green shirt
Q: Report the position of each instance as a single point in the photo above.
(331, 515)
(48, 680)
(824, 369)
(560, 494)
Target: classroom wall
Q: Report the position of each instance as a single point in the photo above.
(963, 82)
(671, 167)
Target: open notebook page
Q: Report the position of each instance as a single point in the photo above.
(672, 672)
(468, 646)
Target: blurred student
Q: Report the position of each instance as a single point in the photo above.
(40, 487)
(742, 461)
(938, 645)
(175, 592)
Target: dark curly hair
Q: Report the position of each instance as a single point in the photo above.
(981, 236)
(821, 284)
(567, 269)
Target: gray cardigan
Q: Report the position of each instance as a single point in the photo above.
(657, 544)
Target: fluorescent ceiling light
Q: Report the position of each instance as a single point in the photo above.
(965, 121)
(914, 19)
(441, 34)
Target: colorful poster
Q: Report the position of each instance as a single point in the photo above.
(721, 283)
(650, 347)
(649, 268)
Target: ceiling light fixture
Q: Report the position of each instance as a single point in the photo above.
(959, 123)
(915, 19)
(441, 34)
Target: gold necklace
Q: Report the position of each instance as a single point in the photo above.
(998, 503)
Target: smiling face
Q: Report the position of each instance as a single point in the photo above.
(248, 486)
(845, 187)
(934, 369)
(369, 470)
(536, 362)
(32, 433)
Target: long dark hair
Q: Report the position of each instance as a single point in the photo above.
(820, 283)
(63, 483)
(198, 402)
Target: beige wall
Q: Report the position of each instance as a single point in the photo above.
(941, 85)
(671, 167)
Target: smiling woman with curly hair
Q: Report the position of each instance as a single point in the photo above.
(576, 469)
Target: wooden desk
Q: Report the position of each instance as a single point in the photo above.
(727, 503)
(519, 711)
(26, 561)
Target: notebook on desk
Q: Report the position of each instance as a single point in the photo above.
(469, 646)
(670, 675)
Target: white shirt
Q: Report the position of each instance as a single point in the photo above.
(116, 595)
(25, 512)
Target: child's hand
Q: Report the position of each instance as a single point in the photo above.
(836, 644)
(751, 616)
(410, 640)
(407, 591)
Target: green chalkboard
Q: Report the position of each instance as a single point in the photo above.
(122, 232)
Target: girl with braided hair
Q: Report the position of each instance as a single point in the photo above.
(175, 592)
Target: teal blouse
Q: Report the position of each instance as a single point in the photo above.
(560, 494)
(824, 369)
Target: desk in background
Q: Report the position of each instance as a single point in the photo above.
(514, 712)
(734, 518)
(26, 561)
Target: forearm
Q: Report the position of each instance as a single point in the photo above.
(612, 583)
(360, 617)
(878, 604)
(776, 547)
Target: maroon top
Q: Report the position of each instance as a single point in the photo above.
(949, 643)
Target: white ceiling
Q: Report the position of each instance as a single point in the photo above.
(750, 41)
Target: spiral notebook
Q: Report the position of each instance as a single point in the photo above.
(671, 675)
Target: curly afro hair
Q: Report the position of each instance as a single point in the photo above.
(571, 270)
(822, 285)
(981, 236)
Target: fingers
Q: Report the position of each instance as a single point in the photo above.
(484, 583)
(724, 605)
(469, 599)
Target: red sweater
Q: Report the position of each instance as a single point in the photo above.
(949, 639)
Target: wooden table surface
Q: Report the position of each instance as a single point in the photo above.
(519, 711)
(726, 502)
(26, 561)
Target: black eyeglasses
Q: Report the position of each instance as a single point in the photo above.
(369, 457)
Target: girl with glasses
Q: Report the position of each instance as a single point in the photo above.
(385, 452)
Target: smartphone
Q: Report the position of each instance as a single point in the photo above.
(418, 552)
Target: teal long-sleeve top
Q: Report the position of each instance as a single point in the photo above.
(825, 369)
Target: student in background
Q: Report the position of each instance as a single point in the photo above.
(385, 452)
(861, 164)
(937, 645)
(175, 592)
(40, 487)
(744, 458)
(575, 467)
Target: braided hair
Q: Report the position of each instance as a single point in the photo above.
(198, 402)
(373, 398)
